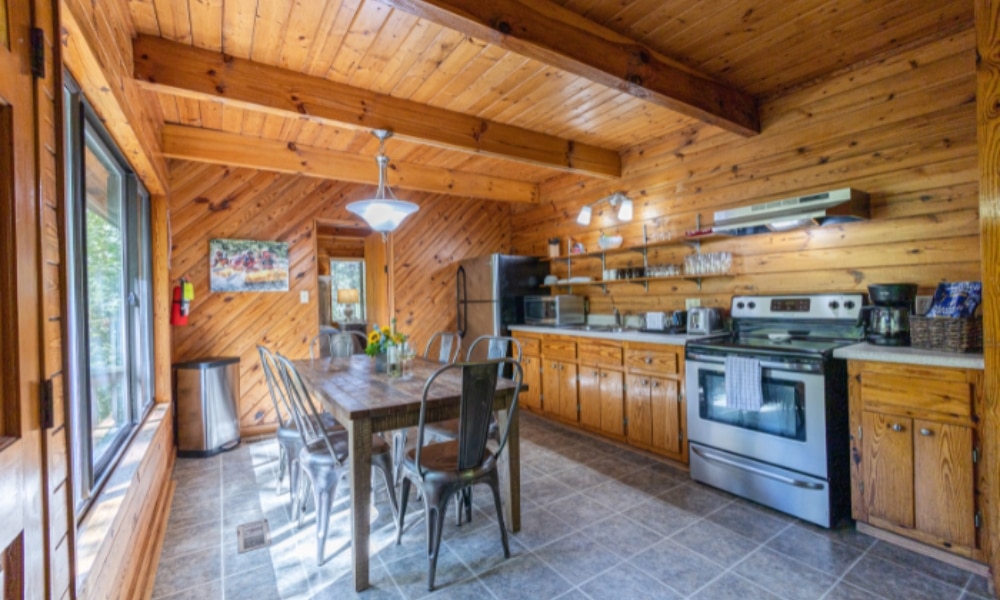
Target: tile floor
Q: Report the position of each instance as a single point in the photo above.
(598, 522)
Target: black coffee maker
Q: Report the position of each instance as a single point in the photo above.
(887, 319)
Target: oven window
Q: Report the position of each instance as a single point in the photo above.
(782, 414)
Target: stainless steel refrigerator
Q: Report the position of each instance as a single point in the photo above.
(491, 291)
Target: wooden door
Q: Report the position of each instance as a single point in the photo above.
(531, 398)
(22, 536)
(888, 452)
(944, 489)
(378, 279)
(640, 424)
(590, 397)
(568, 408)
(612, 402)
(664, 396)
(550, 387)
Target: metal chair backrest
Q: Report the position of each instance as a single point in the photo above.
(494, 347)
(449, 347)
(347, 343)
(322, 339)
(275, 388)
(304, 410)
(479, 385)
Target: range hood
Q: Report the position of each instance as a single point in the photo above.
(837, 206)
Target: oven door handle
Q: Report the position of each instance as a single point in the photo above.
(764, 364)
(712, 457)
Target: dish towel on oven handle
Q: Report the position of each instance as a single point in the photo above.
(743, 389)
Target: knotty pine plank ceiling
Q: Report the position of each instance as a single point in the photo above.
(763, 47)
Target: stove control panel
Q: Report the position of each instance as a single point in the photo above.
(805, 306)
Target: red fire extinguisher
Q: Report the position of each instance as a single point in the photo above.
(181, 308)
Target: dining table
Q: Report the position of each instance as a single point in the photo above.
(367, 402)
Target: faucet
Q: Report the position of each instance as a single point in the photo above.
(618, 316)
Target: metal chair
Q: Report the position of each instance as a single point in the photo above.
(289, 440)
(347, 343)
(445, 469)
(449, 347)
(323, 458)
(322, 339)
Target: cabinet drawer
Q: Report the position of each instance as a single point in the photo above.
(591, 353)
(916, 395)
(529, 346)
(559, 348)
(658, 359)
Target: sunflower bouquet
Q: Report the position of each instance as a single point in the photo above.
(381, 339)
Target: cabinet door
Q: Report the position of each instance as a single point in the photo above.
(944, 489)
(531, 398)
(640, 423)
(612, 401)
(567, 392)
(888, 452)
(590, 397)
(665, 406)
(550, 387)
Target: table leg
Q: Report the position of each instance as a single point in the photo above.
(360, 432)
(510, 471)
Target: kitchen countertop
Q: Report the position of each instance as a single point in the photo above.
(910, 356)
(631, 335)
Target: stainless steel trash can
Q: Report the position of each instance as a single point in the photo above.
(206, 392)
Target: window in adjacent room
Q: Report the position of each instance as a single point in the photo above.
(347, 289)
(109, 264)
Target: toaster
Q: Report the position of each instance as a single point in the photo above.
(704, 320)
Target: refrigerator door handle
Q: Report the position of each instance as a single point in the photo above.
(462, 298)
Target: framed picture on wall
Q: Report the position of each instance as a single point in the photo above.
(247, 266)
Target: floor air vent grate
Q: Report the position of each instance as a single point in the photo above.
(253, 535)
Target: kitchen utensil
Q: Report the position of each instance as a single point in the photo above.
(678, 319)
(887, 319)
(608, 242)
(892, 294)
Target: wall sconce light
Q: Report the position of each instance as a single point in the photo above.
(618, 199)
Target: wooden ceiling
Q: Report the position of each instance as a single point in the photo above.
(758, 49)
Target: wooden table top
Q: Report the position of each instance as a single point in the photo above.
(353, 384)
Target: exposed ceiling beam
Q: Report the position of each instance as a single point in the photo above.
(206, 145)
(183, 70)
(556, 36)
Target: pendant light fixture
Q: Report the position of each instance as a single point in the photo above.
(618, 199)
(383, 212)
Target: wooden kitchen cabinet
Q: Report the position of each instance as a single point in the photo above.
(559, 390)
(654, 399)
(601, 389)
(916, 468)
(531, 365)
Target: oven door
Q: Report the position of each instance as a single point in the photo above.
(790, 429)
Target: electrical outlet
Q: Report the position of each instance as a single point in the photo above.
(304, 296)
(690, 303)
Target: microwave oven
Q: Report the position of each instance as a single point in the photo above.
(554, 311)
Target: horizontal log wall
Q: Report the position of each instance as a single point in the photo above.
(901, 128)
(210, 201)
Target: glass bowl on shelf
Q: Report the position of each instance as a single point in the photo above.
(608, 242)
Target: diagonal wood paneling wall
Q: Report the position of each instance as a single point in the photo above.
(901, 128)
(210, 201)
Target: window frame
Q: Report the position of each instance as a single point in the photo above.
(362, 313)
(84, 129)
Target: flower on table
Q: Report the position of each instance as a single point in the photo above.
(380, 339)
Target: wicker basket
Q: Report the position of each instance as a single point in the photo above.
(947, 334)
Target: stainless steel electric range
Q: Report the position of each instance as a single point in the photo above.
(767, 404)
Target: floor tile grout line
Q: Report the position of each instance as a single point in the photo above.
(853, 564)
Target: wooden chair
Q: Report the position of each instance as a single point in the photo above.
(445, 469)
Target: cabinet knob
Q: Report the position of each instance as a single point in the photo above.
(656, 384)
(604, 375)
(897, 427)
(925, 431)
(645, 382)
(649, 360)
(594, 373)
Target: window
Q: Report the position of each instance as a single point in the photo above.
(109, 283)
(347, 289)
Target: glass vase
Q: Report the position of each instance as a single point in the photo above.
(393, 361)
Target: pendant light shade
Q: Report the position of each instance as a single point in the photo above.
(625, 210)
(383, 212)
(584, 218)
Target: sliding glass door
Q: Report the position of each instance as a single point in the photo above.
(109, 317)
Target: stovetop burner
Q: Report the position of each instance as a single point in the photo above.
(805, 325)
